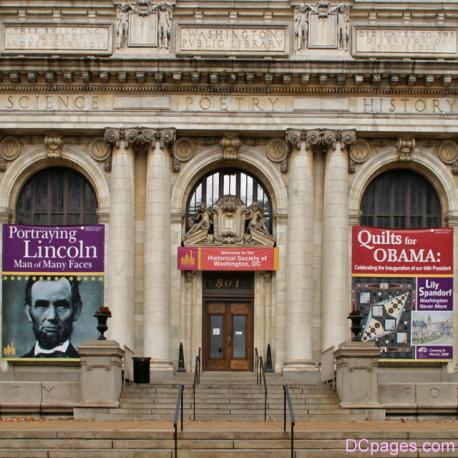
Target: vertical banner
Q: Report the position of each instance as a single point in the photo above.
(52, 284)
(402, 283)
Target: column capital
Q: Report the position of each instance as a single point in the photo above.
(139, 136)
(320, 138)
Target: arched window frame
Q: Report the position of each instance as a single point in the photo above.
(411, 203)
(63, 197)
(233, 187)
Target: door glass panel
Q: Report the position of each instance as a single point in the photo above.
(216, 336)
(239, 336)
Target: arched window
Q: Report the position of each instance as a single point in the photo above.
(400, 199)
(230, 182)
(57, 196)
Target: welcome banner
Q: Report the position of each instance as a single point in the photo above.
(230, 258)
(403, 285)
(52, 284)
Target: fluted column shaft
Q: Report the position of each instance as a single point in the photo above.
(157, 252)
(336, 264)
(120, 269)
(299, 294)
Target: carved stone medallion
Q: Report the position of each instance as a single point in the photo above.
(184, 149)
(10, 148)
(277, 150)
(360, 151)
(448, 152)
(99, 150)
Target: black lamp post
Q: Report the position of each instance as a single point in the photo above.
(356, 319)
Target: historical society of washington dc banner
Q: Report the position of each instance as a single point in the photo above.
(403, 286)
(52, 284)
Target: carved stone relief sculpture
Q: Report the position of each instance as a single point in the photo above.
(10, 149)
(228, 222)
(144, 24)
(322, 26)
(122, 25)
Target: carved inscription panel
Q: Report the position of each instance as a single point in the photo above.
(405, 42)
(232, 39)
(57, 38)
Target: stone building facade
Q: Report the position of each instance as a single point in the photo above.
(311, 100)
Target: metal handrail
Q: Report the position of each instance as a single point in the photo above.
(261, 378)
(175, 417)
(197, 371)
(286, 397)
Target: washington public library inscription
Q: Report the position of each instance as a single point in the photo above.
(408, 41)
(52, 38)
(232, 39)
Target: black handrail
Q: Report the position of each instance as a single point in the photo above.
(197, 371)
(286, 397)
(261, 378)
(175, 417)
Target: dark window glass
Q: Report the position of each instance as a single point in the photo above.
(57, 196)
(230, 182)
(400, 199)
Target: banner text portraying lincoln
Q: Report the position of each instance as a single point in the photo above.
(52, 285)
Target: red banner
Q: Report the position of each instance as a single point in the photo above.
(385, 252)
(231, 258)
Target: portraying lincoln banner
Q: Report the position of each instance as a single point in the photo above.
(403, 286)
(52, 284)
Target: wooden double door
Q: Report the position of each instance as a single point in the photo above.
(228, 335)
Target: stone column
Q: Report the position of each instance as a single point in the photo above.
(452, 221)
(299, 294)
(336, 262)
(157, 305)
(119, 286)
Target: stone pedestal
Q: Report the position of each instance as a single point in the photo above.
(356, 384)
(101, 378)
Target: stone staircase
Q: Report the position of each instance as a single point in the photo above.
(129, 441)
(225, 396)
